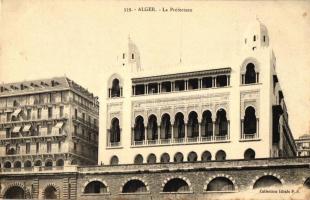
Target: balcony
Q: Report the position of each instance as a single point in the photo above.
(249, 137)
(34, 119)
(88, 124)
(35, 169)
(176, 141)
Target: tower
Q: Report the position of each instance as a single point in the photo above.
(131, 57)
(256, 36)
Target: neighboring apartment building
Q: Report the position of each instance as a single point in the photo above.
(303, 145)
(231, 110)
(48, 122)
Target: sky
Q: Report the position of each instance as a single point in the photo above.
(82, 39)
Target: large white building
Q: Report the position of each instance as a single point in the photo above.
(203, 113)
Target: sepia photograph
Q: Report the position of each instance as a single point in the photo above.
(155, 100)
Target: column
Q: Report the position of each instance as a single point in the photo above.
(145, 135)
(110, 93)
(172, 134)
(200, 131)
(121, 92)
(158, 134)
(257, 77)
(159, 88)
(213, 130)
(199, 83)
(186, 85)
(172, 86)
(228, 80)
(133, 90)
(185, 135)
(242, 134)
(257, 128)
(132, 136)
(242, 79)
(228, 129)
(213, 81)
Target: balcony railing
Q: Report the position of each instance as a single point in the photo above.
(188, 140)
(249, 136)
(34, 118)
(114, 144)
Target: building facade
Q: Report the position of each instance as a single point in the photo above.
(228, 111)
(46, 123)
(303, 145)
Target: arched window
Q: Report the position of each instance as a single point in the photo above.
(250, 121)
(193, 126)
(176, 185)
(267, 181)
(114, 160)
(152, 133)
(178, 157)
(250, 74)
(139, 129)
(48, 163)
(17, 164)
(115, 90)
(7, 164)
(138, 159)
(50, 193)
(192, 157)
(60, 162)
(207, 125)
(179, 126)
(14, 192)
(165, 132)
(206, 156)
(165, 158)
(38, 163)
(220, 155)
(151, 158)
(249, 154)
(27, 163)
(95, 187)
(220, 184)
(115, 131)
(221, 123)
(307, 183)
(134, 186)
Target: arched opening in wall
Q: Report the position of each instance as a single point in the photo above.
(74, 162)
(207, 125)
(138, 159)
(250, 74)
(249, 154)
(179, 85)
(115, 131)
(250, 121)
(193, 126)
(179, 126)
(17, 164)
(220, 184)
(178, 157)
(206, 156)
(152, 128)
(267, 181)
(165, 132)
(14, 192)
(165, 158)
(134, 186)
(153, 88)
(192, 157)
(50, 192)
(307, 183)
(139, 129)
(166, 86)
(220, 155)
(193, 84)
(27, 164)
(7, 164)
(95, 187)
(48, 163)
(221, 81)
(207, 82)
(151, 158)
(176, 185)
(38, 163)
(221, 125)
(115, 90)
(60, 162)
(114, 160)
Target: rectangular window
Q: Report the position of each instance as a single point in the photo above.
(75, 130)
(59, 146)
(50, 112)
(37, 147)
(39, 113)
(75, 146)
(38, 129)
(8, 117)
(49, 128)
(83, 116)
(61, 111)
(75, 113)
(28, 114)
(27, 148)
(48, 147)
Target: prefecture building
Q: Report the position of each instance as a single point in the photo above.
(48, 122)
(221, 111)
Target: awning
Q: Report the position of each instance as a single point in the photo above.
(16, 129)
(16, 112)
(27, 128)
(59, 125)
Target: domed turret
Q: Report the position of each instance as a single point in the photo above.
(256, 36)
(131, 56)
